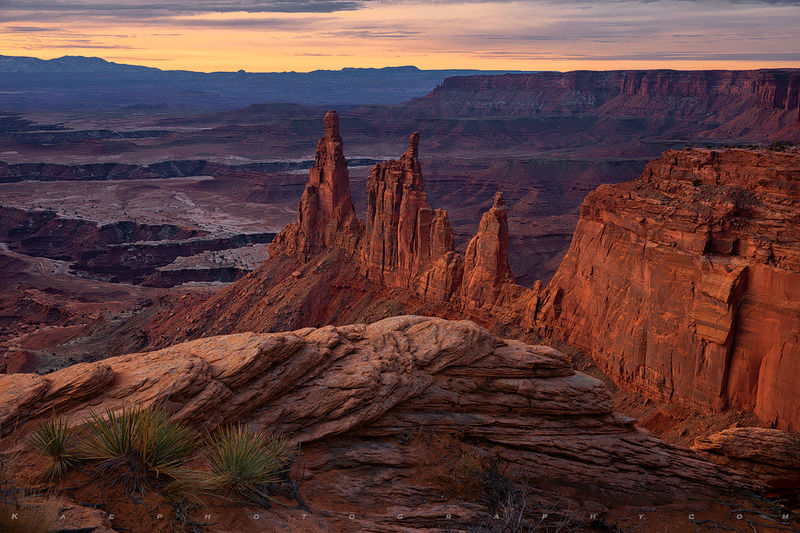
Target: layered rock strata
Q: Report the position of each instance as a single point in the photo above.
(407, 244)
(486, 266)
(770, 455)
(347, 393)
(683, 285)
(722, 104)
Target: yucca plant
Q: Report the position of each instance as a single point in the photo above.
(57, 442)
(189, 486)
(165, 445)
(140, 441)
(246, 462)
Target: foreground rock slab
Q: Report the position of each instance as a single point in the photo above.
(768, 454)
(361, 400)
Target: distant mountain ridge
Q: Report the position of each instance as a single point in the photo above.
(31, 65)
(78, 82)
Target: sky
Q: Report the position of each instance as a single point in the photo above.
(303, 35)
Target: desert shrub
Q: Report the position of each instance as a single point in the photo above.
(466, 473)
(56, 441)
(517, 507)
(456, 467)
(39, 518)
(189, 486)
(141, 448)
(137, 442)
(779, 146)
(246, 462)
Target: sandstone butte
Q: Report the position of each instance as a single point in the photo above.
(363, 399)
(683, 285)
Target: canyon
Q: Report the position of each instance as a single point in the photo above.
(660, 291)
(389, 339)
(544, 139)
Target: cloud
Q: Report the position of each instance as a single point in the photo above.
(73, 44)
(29, 29)
(372, 34)
(155, 8)
(655, 56)
(454, 32)
(256, 23)
(710, 56)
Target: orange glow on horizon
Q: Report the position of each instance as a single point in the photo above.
(476, 35)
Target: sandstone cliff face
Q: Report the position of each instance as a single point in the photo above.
(685, 284)
(682, 285)
(486, 264)
(346, 393)
(767, 454)
(755, 104)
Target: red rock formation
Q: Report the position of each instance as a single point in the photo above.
(685, 284)
(407, 244)
(682, 284)
(348, 394)
(486, 267)
(769, 455)
(743, 104)
(325, 217)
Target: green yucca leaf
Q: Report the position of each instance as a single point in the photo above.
(112, 437)
(56, 441)
(144, 436)
(164, 443)
(244, 461)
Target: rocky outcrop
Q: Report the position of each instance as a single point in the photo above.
(349, 393)
(486, 265)
(16, 172)
(769, 455)
(325, 217)
(118, 251)
(681, 284)
(47, 233)
(139, 262)
(684, 284)
(407, 244)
